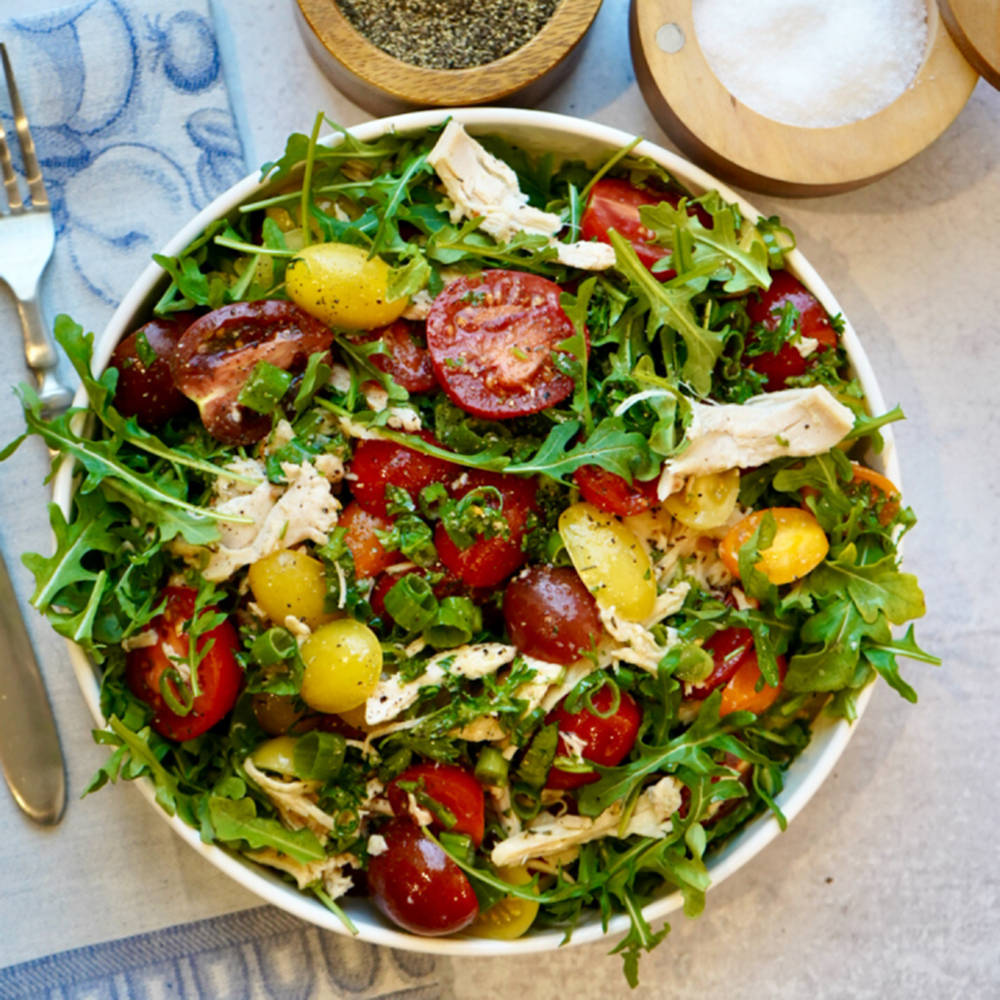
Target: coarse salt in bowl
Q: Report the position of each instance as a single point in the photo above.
(568, 137)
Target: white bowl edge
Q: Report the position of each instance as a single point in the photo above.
(830, 737)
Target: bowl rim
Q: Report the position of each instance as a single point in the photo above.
(830, 736)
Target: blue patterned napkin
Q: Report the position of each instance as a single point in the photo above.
(135, 131)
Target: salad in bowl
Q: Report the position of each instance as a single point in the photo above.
(480, 533)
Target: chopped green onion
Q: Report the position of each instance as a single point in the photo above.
(265, 387)
(411, 602)
(491, 768)
(319, 756)
(537, 760)
(273, 647)
(456, 622)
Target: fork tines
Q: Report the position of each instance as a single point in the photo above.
(32, 170)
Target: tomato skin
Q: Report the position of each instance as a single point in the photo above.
(611, 493)
(377, 464)
(550, 614)
(370, 558)
(149, 394)
(608, 740)
(219, 674)
(491, 338)
(614, 204)
(729, 647)
(740, 693)
(488, 561)
(417, 886)
(785, 363)
(218, 352)
(406, 359)
(451, 786)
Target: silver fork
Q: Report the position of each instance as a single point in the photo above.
(27, 237)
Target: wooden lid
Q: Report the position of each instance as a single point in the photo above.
(382, 84)
(744, 147)
(975, 26)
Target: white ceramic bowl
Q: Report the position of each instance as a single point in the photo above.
(579, 139)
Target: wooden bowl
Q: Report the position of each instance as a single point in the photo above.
(746, 148)
(382, 84)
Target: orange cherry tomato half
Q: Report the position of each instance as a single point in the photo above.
(799, 544)
(882, 489)
(742, 694)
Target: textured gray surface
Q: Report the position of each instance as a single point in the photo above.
(888, 884)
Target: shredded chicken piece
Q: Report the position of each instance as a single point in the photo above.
(329, 871)
(294, 800)
(548, 835)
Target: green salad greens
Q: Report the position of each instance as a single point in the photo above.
(459, 502)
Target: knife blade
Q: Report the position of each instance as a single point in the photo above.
(30, 754)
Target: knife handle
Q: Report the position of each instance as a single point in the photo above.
(30, 755)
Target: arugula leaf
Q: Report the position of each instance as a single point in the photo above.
(737, 258)
(237, 820)
(626, 453)
(669, 305)
(90, 531)
(576, 308)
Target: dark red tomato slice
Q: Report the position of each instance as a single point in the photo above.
(370, 557)
(377, 464)
(611, 493)
(488, 561)
(728, 647)
(219, 675)
(491, 338)
(449, 786)
(608, 739)
(814, 321)
(147, 392)
(417, 886)
(550, 614)
(406, 358)
(218, 353)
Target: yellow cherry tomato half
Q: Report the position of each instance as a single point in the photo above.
(343, 663)
(340, 285)
(799, 545)
(610, 560)
(705, 501)
(290, 582)
(510, 917)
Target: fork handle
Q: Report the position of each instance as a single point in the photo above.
(40, 352)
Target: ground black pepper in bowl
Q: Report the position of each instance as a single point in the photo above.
(448, 34)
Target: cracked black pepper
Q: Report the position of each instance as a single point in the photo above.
(448, 34)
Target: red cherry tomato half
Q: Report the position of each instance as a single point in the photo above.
(377, 464)
(611, 493)
(608, 739)
(491, 338)
(218, 353)
(370, 557)
(785, 363)
(614, 204)
(449, 786)
(488, 561)
(219, 675)
(148, 392)
(406, 358)
(728, 647)
(417, 886)
(550, 614)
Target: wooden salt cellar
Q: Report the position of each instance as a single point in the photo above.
(746, 148)
(975, 26)
(384, 85)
